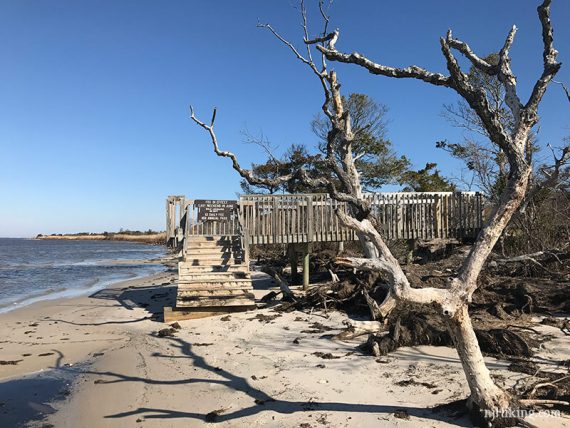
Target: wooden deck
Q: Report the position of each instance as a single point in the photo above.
(213, 237)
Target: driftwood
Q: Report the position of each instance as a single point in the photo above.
(283, 285)
(359, 328)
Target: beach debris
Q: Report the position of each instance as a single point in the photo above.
(408, 382)
(320, 366)
(317, 327)
(45, 354)
(402, 414)
(9, 362)
(166, 332)
(202, 344)
(269, 296)
(213, 415)
(176, 326)
(563, 325)
(296, 341)
(226, 318)
(325, 356)
(264, 318)
(254, 377)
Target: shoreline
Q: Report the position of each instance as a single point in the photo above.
(98, 361)
(46, 345)
(70, 293)
(144, 238)
(44, 311)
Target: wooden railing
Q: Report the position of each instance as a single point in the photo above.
(424, 215)
(283, 219)
(272, 219)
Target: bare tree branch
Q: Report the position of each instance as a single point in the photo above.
(412, 71)
(564, 88)
(550, 64)
(465, 49)
(507, 77)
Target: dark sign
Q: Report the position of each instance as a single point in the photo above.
(212, 210)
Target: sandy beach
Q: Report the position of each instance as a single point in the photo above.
(98, 361)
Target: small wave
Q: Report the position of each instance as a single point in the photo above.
(92, 286)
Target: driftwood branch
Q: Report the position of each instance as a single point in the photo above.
(360, 328)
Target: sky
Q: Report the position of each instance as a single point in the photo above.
(94, 124)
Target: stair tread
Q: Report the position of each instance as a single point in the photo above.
(207, 302)
(194, 280)
(212, 273)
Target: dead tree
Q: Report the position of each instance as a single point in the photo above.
(454, 300)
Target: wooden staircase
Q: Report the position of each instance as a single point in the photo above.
(213, 278)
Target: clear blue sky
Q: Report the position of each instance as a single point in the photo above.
(94, 128)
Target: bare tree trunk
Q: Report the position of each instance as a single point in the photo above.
(368, 247)
(485, 394)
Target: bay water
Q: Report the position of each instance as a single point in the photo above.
(33, 270)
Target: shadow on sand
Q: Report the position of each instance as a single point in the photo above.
(152, 298)
(260, 400)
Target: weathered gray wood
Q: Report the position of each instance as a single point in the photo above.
(246, 300)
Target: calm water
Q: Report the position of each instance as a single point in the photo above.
(33, 270)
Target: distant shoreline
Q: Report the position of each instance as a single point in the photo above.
(144, 238)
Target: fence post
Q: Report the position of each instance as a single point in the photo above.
(309, 218)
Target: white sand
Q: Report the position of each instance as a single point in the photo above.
(249, 371)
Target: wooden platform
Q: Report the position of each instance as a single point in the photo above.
(212, 237)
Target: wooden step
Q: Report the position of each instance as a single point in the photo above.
(197, 284)
(212, 251)
(178, 314)
(214, 286)
(246, 300)
(213, 276)
(209, 246)
(213, 239)
(239, 292)
(211, 261)
(212, 256)
(212, 268)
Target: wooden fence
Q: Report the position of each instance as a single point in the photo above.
(283, 219)
(424, 215)
(280, 219)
